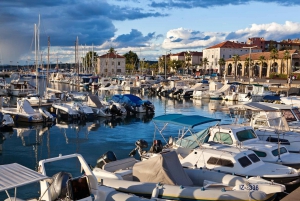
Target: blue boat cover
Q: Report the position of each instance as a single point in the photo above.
(272, 98)
(129, 99)
(184, 120)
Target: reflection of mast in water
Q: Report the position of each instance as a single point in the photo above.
(24, 134)
(77, 127)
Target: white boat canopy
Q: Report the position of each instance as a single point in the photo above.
(15, 175)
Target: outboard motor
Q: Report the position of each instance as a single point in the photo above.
(148, 106)
(156, 146)
(140, 145)
(115, 111)
(129, 109)
(106, 158)
(58, 187)
(249, 95)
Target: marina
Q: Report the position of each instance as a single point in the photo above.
(95, 134)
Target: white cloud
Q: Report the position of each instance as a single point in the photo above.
(192, 39)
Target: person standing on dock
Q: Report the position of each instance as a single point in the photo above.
(289, 80)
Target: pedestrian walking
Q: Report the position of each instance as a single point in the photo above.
(289, 80)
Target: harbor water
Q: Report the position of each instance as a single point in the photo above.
(30, 143)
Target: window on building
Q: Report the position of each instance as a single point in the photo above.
(229, 56)
(119, 71)
(212, 56)
(112, 63)
(105, 70)
(119, 63)
(113, 70)
(223, 56)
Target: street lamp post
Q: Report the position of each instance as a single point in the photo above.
(115, 63)
(250, 48)
(166, 63)
(291, 63)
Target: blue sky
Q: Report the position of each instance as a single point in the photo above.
(149, 28)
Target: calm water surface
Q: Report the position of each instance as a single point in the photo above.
(30, 143)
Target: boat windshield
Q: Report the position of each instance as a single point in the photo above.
(282, 151)
(245, 135)
(297, 113)
(289, 115)
(244, 161)
(253, 158)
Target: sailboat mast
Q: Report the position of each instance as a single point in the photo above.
(36, 57)
(47, 79)
(93, 69)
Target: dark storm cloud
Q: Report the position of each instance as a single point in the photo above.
(134, 39)
(211, 3)
(63, 21)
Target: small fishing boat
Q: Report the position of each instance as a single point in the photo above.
(65, 111)
(23, 112)
(62, 185)
(196, 153)
(168, 179)
(134, 104)
(103, 110)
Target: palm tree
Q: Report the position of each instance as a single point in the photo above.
(221, 62)
(188, 58)
(274, 56)
(261, 61)
(236, 59)
(111, 50)
(287, 56)
(248, 63)
(205, 62)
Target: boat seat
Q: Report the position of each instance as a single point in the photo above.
(125, 174)
(122, 164)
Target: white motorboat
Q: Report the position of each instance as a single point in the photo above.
(82, 109)
(253, 92)
(232, 93)
(170, 180)
(104, 110)
(215, 156)
(65, 111)
(217, 90)
(134, 104)
(23, 112)
(20, 87)
(290, 100)
(201, 89)
(270, 125)
(62, 185)
(242, 162)
(53, 95)
(245, 137)
(3, 87)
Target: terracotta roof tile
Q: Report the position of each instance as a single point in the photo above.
(111, 55)
(230, 44)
